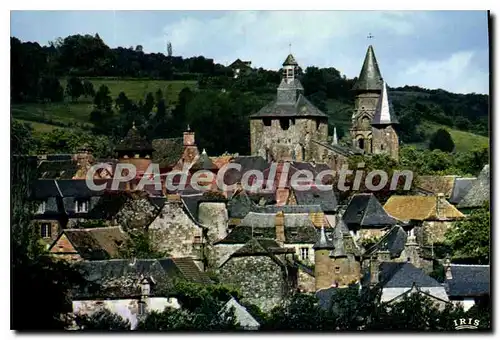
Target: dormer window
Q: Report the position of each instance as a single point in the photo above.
(41, 208)
(81, 206)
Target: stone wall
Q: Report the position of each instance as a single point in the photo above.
(214, 216)
(367, 234)
(434, 231)
(55, 230)
(385, 141)
(136, 213)
(223, 251)
(259, 279)
(294, 142)
(306, 282)
(175, 232)
(298, 251)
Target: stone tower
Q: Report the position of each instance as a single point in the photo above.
(322, 262)
(136, 150)
(367, 90)
(385, 139)
(283, 129)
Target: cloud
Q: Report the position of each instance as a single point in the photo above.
(458, 73)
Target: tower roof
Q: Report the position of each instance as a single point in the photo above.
(322, 242)
(290, 60)
(384, 113)
(204, 163)
(134, 142)
(338, 239)
(370, 77)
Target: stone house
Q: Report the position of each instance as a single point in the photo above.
(397, 279)
(467, 285)
(432, 215)
(366, 218)
(89, 244)
(262, 270)
(134, 288)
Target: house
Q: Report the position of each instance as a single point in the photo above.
(366, 218)
(89, 244)
(466, 284)
(242, 316)
(434, 215)
(479, 192)
(240, 67)
(433, 185)
(262, 270)
(397, 279)
(133, 288)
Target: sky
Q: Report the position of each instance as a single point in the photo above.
(431, 49)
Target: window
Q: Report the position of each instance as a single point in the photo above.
(41, 208)
(267, 122)
(381, 146)
(197, 239)
(45, 230)
(284, 123)
(337, 269)
(304, 253)
(361, 143)
(141, 310)
(289, 73)
(81, 206)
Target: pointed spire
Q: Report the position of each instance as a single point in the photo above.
(370, 77)
(335, 140)
(384, 113)
(204, 152)
(322, 242)
(338, 239)
(188, 128)
(290, 61)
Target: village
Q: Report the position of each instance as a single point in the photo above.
(269, 242)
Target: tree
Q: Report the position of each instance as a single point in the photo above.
(138, 48)
(88, 88)
(140, 246)
(441, 140)
(21, 138)
(470, 238)
(74, 88)
(102, 99)
(102, 320)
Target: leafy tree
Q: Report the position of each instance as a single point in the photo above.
(50, 89)
(441, 140)
(21, 140)
(470, 238)
(88, 88)
(102, 99)
(74, 88)
(140, 246)
(102, 320)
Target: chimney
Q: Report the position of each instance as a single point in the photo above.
(374, 270)
(440, 204)
(188, 137)
(279, 224)
(447, 268)
(282, 195)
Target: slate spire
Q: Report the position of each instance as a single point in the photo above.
(322, 242)
(335, 139)
(338, 239)
(370, 78)
(290, 61)
(384, 113)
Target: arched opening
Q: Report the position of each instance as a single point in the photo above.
(361, 143)
(284, 123)
(267, 121)
(381, 146)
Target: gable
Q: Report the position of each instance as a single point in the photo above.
(62, 246)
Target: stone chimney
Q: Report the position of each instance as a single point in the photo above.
(188, 137)
(282, 195)
(440, 205)
(279, 224)
(447, 268)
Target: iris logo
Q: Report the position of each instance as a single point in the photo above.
(466, 324)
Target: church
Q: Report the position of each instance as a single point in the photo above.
(291, 128)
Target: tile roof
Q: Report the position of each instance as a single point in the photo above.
(469, 280)
(95, 243)
(460, 189)
(420, 208)
(364, 210)
(480, 191)
(167, 152)
(437, 184)
(404, 275)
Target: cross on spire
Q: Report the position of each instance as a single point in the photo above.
(370, 36)
(290, 48)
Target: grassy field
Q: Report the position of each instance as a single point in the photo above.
(68, 113)
(464, 141)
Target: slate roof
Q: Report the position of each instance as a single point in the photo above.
(384, 112)
(468, 280)
(370, 77)
(204, 163)
(299, 108)
(317, 196)
(233, 176)
(340, 149)
(191, 203)
(133, 141)
(393, 240)
(460, 188)
(404, 275)
(365, 211)
(57, 169)
(44, 188)
(437, 184)
(290, 60)
(120, 278)
(420, 208)
(480, 192)
(239, 205)
(94, 243)
(167, 151)
(243, 317)
(288, 209)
